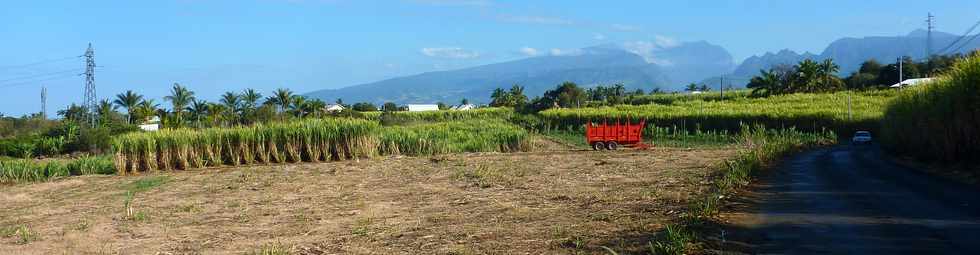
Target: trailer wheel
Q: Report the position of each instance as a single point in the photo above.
(612, 146)
(598, 146)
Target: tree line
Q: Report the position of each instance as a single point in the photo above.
(809, 76)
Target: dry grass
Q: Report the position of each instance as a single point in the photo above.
(556, 202)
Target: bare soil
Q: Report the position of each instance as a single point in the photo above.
(548, 202)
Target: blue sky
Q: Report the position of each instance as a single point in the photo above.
(214, 46)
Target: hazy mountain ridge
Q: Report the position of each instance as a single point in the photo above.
(636, 65)
(604, 64)
(850, 52)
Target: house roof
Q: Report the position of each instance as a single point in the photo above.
(911, 82)
(423, 107)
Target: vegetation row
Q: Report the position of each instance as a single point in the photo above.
(29, 170)
(309, 140)
(939, 121)
(810, 112)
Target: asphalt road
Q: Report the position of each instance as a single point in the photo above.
(854, 200)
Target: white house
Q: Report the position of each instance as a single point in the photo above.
(334, 108)
(153, 124)
(422, 107)
(464, 107)
(911, 82)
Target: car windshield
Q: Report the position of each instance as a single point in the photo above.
(862, 134)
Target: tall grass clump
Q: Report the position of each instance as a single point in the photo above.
(454, 136)
(30, 170)
(940, 120)
(309, 140)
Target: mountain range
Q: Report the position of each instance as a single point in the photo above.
(637, 65)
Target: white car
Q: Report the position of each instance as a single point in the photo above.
(861, 137)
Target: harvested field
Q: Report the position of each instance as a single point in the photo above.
(555, 202)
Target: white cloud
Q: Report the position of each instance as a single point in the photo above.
(623, 27)
(530, 52)
(599, 36)
(450, 53)
(666, 42)
(650, 49)
(565, 52)
(539, 20)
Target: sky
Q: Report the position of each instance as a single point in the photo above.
(213, 46)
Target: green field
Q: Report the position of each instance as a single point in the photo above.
(809, 112)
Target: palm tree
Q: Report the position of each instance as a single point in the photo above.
(691, 87)
(128, 100)
(282, 98)
(297, 106)
(250, 99)
(499, 98)
(517, 96)
(233, 102)
(104, 109)
(198, 110)
(216, 113)
(73, 112)
(315, 106)
(829, 70)
(146, 108)
(767, 83)
(179, 97)
(808, 73)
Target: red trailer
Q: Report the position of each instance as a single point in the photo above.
(609, 136)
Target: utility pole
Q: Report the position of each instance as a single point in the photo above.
(929, 27)
(721, 86)
(44, 102)
(900, 72)
(90, 84)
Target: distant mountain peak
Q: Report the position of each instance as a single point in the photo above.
(636, 64)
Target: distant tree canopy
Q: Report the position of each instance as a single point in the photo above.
(389, 107)
(364, 107)
(873, 74)
(806, 76)
(614, 94)
(513, 98)
(566, 95)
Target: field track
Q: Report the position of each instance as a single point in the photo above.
(854, 200)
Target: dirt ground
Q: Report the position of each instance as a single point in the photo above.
(545, 202)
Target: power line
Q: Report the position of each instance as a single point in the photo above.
(965, 43)
(968, 31)
(38, 63)
(41, 75)
(14, 84)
